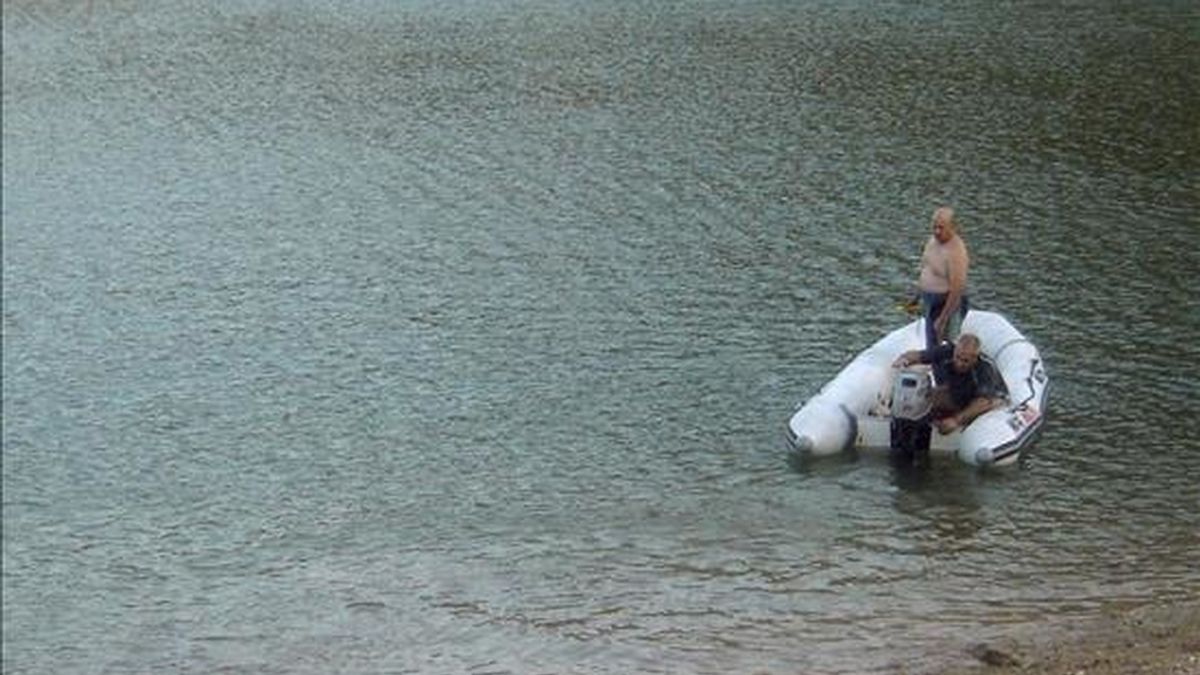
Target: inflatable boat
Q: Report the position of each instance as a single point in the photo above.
(866, 404)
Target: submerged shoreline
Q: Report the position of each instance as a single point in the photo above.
(1163, 640)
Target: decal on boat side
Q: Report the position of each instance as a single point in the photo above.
(1023, 417)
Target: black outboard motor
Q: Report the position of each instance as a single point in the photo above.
(910, 429)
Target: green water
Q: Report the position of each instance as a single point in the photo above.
(395, 337)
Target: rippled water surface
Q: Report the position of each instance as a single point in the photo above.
(398, 337)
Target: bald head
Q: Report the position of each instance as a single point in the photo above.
(944, 225)
(966, 352)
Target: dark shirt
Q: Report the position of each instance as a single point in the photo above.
(981, 380)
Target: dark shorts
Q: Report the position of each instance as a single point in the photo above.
(931, 307)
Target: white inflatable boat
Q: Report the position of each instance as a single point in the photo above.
(857, 408)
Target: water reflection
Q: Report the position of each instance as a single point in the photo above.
(939, 491)
(832, 466)
(942, 494)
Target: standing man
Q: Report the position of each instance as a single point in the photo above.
(943, 281)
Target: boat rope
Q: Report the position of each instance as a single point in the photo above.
(1006, 345)
(1033, 365)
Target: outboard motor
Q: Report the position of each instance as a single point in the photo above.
(910, 430)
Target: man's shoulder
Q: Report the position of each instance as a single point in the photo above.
(985, 362)
(942, 352)
(987, 374)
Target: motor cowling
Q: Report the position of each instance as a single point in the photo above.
(910, 394)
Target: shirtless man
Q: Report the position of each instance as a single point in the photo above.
(943, 281)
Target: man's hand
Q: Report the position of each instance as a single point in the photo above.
(948, 425)
(939, 325)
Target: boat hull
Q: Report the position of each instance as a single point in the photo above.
(853, 410)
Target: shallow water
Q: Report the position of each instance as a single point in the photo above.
(405, 338)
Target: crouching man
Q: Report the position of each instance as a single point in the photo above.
(967, 383)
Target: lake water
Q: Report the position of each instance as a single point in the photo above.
(403, 337)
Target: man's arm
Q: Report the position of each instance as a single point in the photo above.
(907, 358)
(923, 356)
(978, 406)
(956, 269)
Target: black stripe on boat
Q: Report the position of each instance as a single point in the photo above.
(853, 435)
